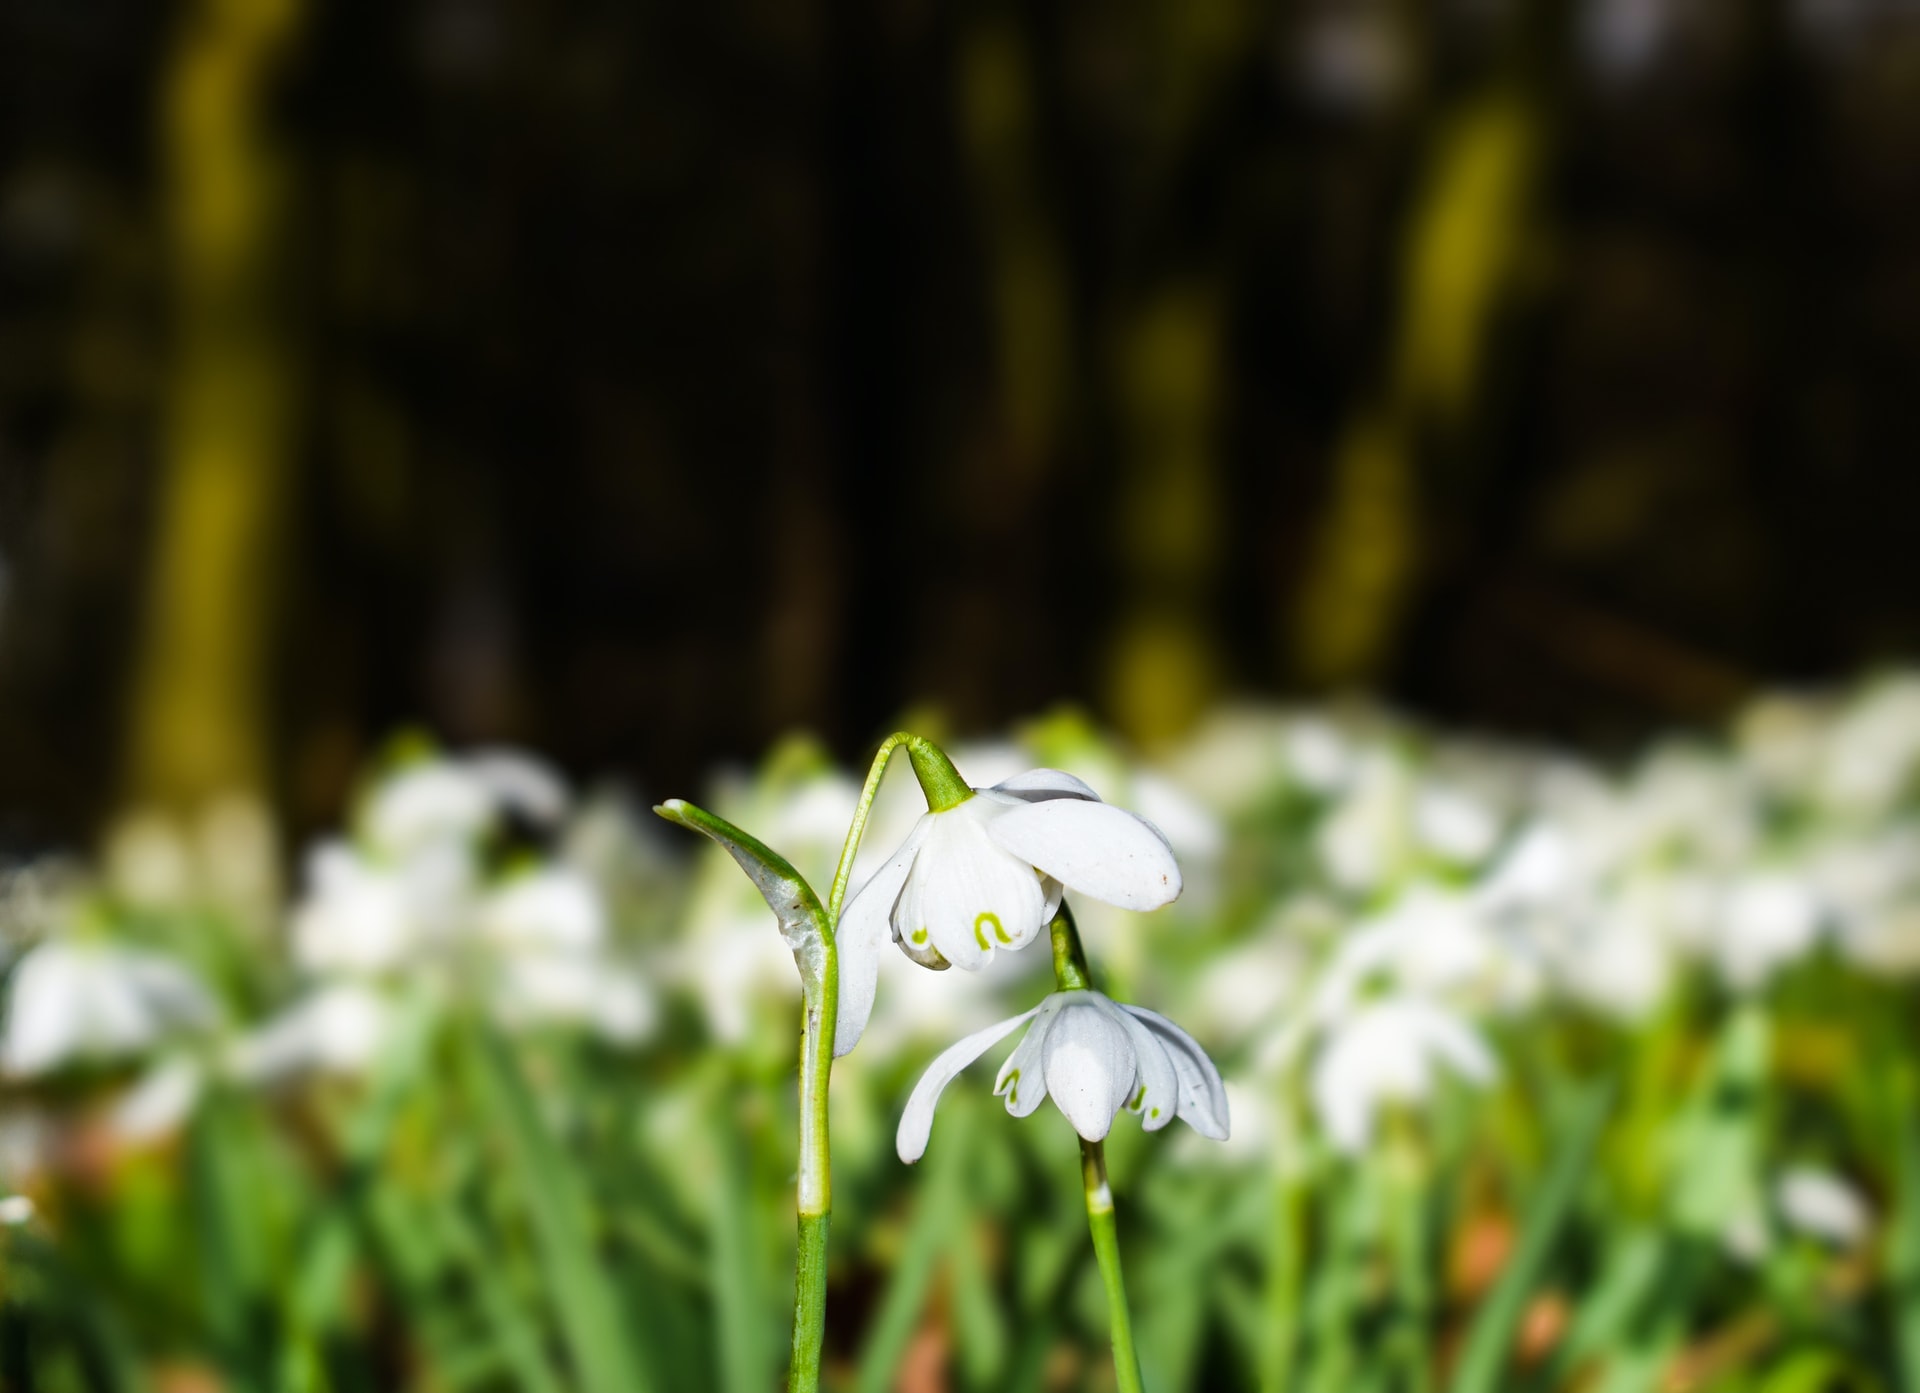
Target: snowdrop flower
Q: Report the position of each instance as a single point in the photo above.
(159, 1102)
(1367, 837)
(520, 783)
(1823, 1206)
(72, 1000)
(1387, 1051)
(336, 1030)
(363, 917)
(1093, 1056)
(987, 871)
(1770, 920)
(1873, 749)
(427, 804)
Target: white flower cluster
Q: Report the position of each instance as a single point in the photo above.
(428, 895)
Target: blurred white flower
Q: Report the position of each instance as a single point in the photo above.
(427, 804)
(159, 1101)
(989, 872)
(522, 784)
(1455, 824)
(1769, 921)
(1366, 839)
(549, 907)
(367, 917)
(1094, 1057)
(1821, 1205)
(1873, 749)
(1390, 1051)
(15, 1210)
(74, 999)
(338, 1029)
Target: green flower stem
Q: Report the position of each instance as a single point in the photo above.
(815, 1190)
(939, 780)
(807, 929)
(1106, 1247)
(809, 1303)
(1070, 973)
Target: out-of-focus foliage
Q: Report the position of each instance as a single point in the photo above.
(1543, 1073)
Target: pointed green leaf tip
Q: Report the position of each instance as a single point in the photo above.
(803, 923)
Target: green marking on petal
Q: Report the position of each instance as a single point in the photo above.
(1154, 1113)
(980, 933)
(919, 937)
(1140, 1098)
(1013, 1089)
(989, 917)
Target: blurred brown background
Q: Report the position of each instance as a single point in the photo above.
(639, 380)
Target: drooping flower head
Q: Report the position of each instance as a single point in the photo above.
(1094, 1057)
(984, 869)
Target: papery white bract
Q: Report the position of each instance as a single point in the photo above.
(1093, 1056)
(74, 999)
(988, 872)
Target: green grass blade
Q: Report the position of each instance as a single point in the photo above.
(1491, 1336)
(585, 1304)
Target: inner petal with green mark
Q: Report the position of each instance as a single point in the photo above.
(919, 937)
(980, 929)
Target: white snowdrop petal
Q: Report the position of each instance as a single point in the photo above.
(1455, 1044)
(1202, 1094)
(1824, 1206)
(971, 897)
(865, 927)
(44, 1013)
(1101, 851)
(916, 1120)
(1038, 785)
(1089, 1066)
(158, 1103)
(1023, 1078)
(1156, 1093)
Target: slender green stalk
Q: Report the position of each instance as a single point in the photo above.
(815, 1191)
(939, 780)
(1285, 1271)
(1106, 1247)
(1402, 1172)
(807, 929)
(842, 873)
(1070, 974)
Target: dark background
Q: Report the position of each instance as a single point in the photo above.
(649, 379)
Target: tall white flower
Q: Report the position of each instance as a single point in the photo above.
(987, 872)
(1093, 1056)
(73, 999)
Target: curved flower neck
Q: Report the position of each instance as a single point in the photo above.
(939, 780)
(1070, 971)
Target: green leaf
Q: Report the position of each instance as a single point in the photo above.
(1491, 1335)
(938, 1221)
(557, 1207)
(803, 923)
(1904, 1257)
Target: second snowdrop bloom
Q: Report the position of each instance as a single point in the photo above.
(77, 999)
(986, 871)
(1093, 1056)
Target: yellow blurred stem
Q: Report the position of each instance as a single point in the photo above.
(1460, 261)
(197, 724)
